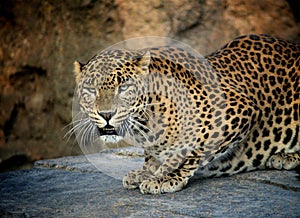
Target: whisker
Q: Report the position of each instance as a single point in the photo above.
(72, 131)
(140, 125)
(132, 139)
(85, 140)
(148, 115)
(139, 130)
(74, 121)
(77, 126)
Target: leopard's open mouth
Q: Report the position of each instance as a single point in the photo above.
(108, 130)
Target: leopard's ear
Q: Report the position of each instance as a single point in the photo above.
(78, 70)
(144, 62)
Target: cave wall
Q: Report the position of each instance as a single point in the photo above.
(39, 41)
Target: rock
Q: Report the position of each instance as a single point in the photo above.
(72, 187)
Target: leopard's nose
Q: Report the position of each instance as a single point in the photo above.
(107, 115)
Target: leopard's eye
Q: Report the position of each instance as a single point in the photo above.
(123, 88)
(89, 94)
(91, 90)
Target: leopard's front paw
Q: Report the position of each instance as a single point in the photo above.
(276, 161)
(134, 178)
(164, 185)
(284, 161)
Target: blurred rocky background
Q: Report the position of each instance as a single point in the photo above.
(39, 41)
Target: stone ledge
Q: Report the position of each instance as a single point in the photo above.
(73, 187)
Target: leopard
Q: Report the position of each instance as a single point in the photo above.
(232, 111)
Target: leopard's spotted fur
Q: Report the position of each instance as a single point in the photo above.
(234, 111)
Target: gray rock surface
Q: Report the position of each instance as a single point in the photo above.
(73, 187)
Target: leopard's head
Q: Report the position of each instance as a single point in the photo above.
(111, 93)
